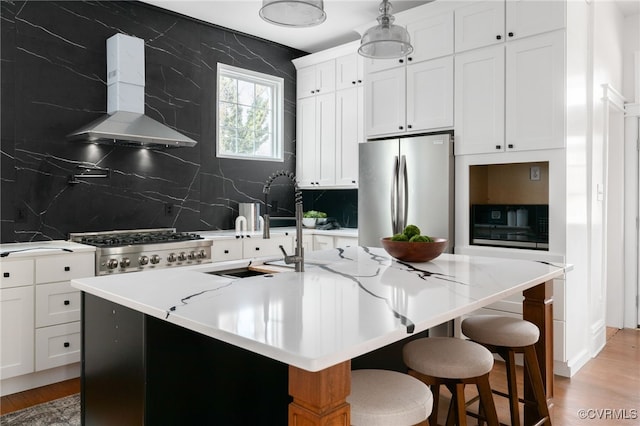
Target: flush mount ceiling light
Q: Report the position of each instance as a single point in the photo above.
(293, 13)
(385, 40)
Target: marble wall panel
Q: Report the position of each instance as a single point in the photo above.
(54, 81)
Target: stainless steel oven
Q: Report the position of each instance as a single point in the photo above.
(510, 225)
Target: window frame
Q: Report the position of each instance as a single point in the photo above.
(255, 77)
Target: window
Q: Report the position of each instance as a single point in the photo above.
(250, 106)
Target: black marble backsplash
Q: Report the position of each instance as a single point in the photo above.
(339, 204)
(53, 81)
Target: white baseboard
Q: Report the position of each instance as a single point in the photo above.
(598, 337)
(40, 378)
(571, 367)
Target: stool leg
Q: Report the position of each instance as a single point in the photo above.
(460, 407)
(535, 378)
(486, 399)
(510, 361)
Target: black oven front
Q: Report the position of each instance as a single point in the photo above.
(523, 226)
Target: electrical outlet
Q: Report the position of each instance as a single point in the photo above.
(168, 209)
(534, 173)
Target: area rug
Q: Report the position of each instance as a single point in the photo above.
(59, 412)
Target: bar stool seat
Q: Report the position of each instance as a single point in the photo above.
(507, 336)
(453, 363)
(384, 398)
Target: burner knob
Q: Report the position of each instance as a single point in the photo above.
(143, 260)
(202, 254)
(192, 255)
(125, 262)
(155, 259)
(171, 258)
(112, 264)
(182, 257)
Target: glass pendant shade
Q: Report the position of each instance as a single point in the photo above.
(385, 40)
(293, 13)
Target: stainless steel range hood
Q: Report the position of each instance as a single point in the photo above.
(125, 123)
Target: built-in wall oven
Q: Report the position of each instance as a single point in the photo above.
(523, 226)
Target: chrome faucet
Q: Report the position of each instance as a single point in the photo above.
(298, 256)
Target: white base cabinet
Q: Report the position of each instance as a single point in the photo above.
(225, 249)
(16, 335)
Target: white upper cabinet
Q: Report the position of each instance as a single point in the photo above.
(479, 24)
(316, 79)
(349, 133)
(349, 71)
(530, 17)
(315, 148)
(489, 22)
(479, 101)
(385, 101)
(535, 92)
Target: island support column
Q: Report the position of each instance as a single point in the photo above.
(538, 309)
(319, 398)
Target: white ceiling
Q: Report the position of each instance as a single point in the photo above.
(343, 16)
(242, 15)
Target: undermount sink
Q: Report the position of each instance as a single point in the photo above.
(238, 273)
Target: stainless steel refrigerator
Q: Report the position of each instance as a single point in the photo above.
(406, 181)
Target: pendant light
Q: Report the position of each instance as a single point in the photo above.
(293, 13)
(385, 40)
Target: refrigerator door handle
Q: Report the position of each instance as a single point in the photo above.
(394, 196)
(403, 197)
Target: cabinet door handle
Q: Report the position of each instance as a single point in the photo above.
(226, 252)
(67, 303)
(6, 275)
(67, 268)
(317, 90)
(353, 181)
(67, 344)
(359, 81)
(510, 34)
(498, 37)
(353, 82)
(257, 248)
(408, 126)
(510, 146)
(400, 127)
(401, 61)
(313, 91)
(498, 146)
(409, 59)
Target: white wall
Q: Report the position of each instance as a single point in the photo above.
(631, 75)
(607, 42)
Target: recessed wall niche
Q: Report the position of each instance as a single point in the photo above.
(513, 183)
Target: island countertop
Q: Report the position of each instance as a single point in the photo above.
(348, 302)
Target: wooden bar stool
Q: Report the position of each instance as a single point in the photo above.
(453, 363)
(384, 398)
(506, 337)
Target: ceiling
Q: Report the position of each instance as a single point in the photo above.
(343, 16)
(242, 15)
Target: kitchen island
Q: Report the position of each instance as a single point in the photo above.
(267, 331)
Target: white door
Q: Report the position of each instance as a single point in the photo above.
(529, 17)
(535, 76)
(430, 94)
(385, 96)
(479, 24)
(431, 37)
(348, 135)
(479, 101)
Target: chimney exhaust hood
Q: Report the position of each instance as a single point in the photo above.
(125, 123)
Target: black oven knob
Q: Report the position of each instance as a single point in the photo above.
(125, 262)
(143, 260)
(192, 256)
(155, 259)
(171, 258)
(112, 263)
(202, 254)
(182, 257)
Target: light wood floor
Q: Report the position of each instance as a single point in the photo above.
(609, 381)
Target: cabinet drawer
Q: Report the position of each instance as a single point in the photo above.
(259, 247)
(322, 242)
(16, 273)
(223, 250)
(57, 303)
(57, 345)
(65, 267)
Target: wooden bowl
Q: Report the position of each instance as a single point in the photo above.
(414, 252)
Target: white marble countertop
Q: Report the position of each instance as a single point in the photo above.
(348, 302)
(42, 248)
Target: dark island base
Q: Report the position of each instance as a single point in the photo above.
(140, 370)
(137, 370)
